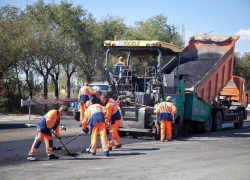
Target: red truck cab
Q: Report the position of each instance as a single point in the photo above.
(235, 91)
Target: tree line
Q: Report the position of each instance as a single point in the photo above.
(47, 42)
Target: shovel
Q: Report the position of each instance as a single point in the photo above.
(63, 145)
(60, 147)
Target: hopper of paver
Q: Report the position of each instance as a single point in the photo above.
(205, 65)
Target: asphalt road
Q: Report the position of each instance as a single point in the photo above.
(216, 155)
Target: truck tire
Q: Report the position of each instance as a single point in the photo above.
(207, 126)
(239, 124)
(76, 115)
(157, 131)
(175, 128)
(217, 121)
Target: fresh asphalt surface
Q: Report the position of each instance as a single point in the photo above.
(216, 155)
(16, 139)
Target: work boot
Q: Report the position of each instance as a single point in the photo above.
(87, 150)
(110, 148)
(31, 157)
(106, 153)
(93, 153)
(53, 156)
(118, 146)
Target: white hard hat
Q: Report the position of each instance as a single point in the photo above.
(168, 98)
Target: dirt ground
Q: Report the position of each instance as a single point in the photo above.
(217, 155)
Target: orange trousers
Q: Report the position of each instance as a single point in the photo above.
(38, 141)
(113, 134)
(101, 129)
(82, 109)
(166, 130)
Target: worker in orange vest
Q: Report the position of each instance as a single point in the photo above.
(94, 117)
(83, 97)
(48, 124)
(114, 118)
(166, 110)
(120, 62)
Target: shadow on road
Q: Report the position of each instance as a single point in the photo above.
(138, 149)
(225, 132)
(127, 154)
(13, 126)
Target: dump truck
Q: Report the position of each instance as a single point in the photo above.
(198, 78)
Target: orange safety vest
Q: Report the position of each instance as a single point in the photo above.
(165, 110)
(84, 93)
(93, 115)
(113, 112)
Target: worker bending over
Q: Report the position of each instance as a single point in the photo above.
(114, 118)
(166, 110)
(94, 117)
(83, 97)
(48, 124)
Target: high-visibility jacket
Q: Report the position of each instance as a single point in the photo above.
(93, 115)
(84, 93)
(121, 63)
(165, 110)
(51, 120)
(113, 113)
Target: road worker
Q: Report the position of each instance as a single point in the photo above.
(114, 118)
(94, 117)
(166, 110)
(83, 97)
(120, 61)
(48, 124)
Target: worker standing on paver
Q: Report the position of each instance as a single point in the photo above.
(120, 61)
(83, 97)
(166, 110)
(49, 123)
(94, 117)
(114, 118)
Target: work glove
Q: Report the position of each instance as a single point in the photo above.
(51, 130)
(85, 129)
(59, 138)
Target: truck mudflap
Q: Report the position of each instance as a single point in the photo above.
(135, 132)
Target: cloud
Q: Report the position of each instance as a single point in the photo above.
(190, 33)
(244, 34)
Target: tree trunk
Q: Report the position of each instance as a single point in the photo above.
(56, 89)
(45, 92)
(18, 84)
(1, 88)
(28, 83)
(45, 87)
(55, 79)
(68, 85)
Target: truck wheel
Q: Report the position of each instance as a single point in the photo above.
(239, 124)
(217, 121)
(175, 130)
(76, 115)
(157, 131)
(207, 126)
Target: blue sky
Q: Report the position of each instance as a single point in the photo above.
(223, 17)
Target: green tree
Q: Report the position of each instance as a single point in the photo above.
(242, 67)
(10, 30)
(155, 28)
